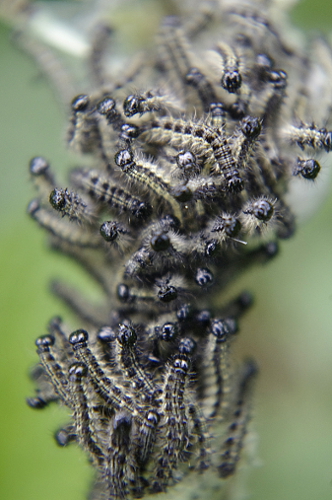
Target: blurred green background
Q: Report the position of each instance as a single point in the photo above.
(289, 331)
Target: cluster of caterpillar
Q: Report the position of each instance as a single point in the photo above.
(187, 189)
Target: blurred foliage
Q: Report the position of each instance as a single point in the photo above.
(289, 331)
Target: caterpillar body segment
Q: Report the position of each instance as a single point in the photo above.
(103, 189)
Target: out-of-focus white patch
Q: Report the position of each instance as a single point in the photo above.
(305, 197)
(58, 34)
